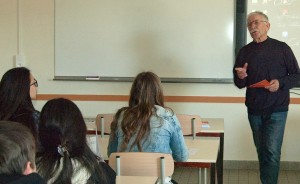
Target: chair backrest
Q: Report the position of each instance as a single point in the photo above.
(142, 164)
(103, 121)
(92, 137)
(187, 121)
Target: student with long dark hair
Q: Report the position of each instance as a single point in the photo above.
(66, 157)
(146, 125)
(17, 89)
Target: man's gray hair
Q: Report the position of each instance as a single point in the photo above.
(265, 17)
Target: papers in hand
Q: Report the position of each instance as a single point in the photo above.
(261, 84)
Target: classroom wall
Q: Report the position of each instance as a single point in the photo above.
(36, 41)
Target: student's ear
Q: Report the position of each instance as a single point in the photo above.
(28, 169)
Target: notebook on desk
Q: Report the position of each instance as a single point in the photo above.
(205, 124)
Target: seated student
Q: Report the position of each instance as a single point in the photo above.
(146, 125)
(17, 88)
(17, 155)
(66, 157)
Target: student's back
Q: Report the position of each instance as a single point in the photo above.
(146, 125)
(165, 136)
(66, 157)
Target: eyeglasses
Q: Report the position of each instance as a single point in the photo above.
(35, 83)
(256, 22)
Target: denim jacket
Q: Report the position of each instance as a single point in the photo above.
(165, 136)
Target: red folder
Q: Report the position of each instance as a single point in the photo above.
(261, 84)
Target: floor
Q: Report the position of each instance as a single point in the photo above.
(190, 176)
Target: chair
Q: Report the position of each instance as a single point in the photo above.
(190, 124)
(103, 122)
(92, 137)
(142, 164)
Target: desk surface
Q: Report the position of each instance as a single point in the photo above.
(216, 125)
(203, 149)
(136, 179)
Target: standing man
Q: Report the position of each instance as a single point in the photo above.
(270, 59)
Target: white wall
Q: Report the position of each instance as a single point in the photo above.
(37, 40)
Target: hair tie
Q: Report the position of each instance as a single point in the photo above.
(61, 149)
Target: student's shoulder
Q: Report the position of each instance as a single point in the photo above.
(36, 114)
(32, 178)
(167, 115)
(108, 175)
(163, 111)
(35, 178)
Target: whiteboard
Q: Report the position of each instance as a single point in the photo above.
(120, 38)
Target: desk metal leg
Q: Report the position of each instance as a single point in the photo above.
(205, 175)
(199, 176)
(213, 174)
(220, 160)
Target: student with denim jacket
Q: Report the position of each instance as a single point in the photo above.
(146, 125)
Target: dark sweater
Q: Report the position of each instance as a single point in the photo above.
(32, 178)
(270, 59)
(108, 172)
(31, 120)
(27, 118)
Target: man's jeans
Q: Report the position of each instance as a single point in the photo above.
(268, 133)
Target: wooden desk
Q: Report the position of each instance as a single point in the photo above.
(204, 150)
(203, 153)
(215, 129)
(135, 179)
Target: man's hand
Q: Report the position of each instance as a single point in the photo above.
(274, 85)
(242, 71)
